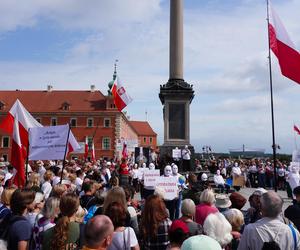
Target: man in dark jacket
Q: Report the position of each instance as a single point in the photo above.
(293, 211)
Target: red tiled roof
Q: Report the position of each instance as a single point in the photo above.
(52, 101)
(142, 128)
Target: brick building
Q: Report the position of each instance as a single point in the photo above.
(90, 113)
(146, 136)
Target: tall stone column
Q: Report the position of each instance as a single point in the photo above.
(176, 39)
(176, 95)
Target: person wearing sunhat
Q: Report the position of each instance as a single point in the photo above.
(223, 202)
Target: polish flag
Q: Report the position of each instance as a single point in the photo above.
(121, 98)
(124, 151)
(86, 149)
(296, 129)
(93, 153)
(284, 49)
(17, 123)
(73, 144)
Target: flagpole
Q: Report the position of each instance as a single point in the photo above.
(64, 162)
(272, 106)
(295, 140)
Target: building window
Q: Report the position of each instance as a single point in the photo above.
(39, 120)
(106, 143)
(145, 139)
(90, 142)
(53, 121)
(73, 122)
(5, 141)
(106, 122)
(65, 106)
(90, 122)
(151, 139)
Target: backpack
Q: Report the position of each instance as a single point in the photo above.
(5, 224)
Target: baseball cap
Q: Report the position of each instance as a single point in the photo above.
(179, 224)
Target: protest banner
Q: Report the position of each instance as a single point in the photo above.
(176, 153)
(169, 185)
(150, 177)
(48, 143)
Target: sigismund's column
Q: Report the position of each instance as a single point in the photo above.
(176, 95)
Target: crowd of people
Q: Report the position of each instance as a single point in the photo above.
(106, 205)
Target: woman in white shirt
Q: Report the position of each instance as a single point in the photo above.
(220, 182)
(123, 237)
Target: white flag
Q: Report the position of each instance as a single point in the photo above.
(48, 143)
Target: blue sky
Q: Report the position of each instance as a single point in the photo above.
(72, 44)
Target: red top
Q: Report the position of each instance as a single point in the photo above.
(202, 211)
(124, 170)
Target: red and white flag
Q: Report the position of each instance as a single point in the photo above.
(17, 123)
(121, 97)
(86, 149)
(283, 47)
(93, 153)
(124, 151)
(296, 129)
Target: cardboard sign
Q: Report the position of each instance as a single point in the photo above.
(176, 153)
(150, 177)
(169, 185)
(239, 181)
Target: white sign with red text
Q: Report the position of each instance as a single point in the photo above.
(169, 185)
(150, 177)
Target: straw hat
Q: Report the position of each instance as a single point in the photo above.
(222, 201)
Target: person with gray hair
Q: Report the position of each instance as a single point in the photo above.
(98, 233)
(270, 228)
(188, 209)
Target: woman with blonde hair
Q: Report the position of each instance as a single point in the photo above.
(47, 187)
(236, 218)
(206, 206)
(34, 182)
(5, 202)
(65, 234)
(49, 214)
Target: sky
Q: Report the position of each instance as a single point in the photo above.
(72, 44)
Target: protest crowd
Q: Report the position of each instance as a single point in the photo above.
(109, 204)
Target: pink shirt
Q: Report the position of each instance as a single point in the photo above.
(202, 211)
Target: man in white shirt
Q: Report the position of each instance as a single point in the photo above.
(186, 157)
(270, 228)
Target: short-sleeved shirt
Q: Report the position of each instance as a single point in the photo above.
(19, 231)
(123, 240)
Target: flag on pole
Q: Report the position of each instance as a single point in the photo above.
(17, 123)
(283, 47)
(121, 97)
(93, 152)
(86, 149)
(124, 151)
(296, 129)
